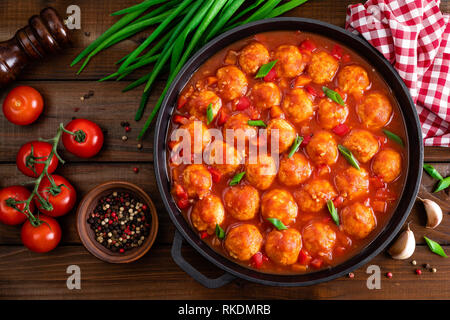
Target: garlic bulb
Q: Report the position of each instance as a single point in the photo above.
(404, 246)
(434, 213)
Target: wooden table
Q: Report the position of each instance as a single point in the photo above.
(27, 275)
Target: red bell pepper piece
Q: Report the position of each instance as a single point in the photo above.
(377, 182)
(244, 103)
(204, 235)
(311, 91)
(307, 45)
(181, 102)
(341, 129)
(179, 191)
(223, 117)
(316, 263)
(257, 260)
(337, 52)
(338, 201)
(304, 258)
(215, 174)
(183, 203)
(178, 119)
(271, 76)
(305, 141)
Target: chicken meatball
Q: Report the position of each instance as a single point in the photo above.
(323, 67)
(199, 101)
(314, 196)
(294, 170)
(286, 133)
(352, 183)
(253, 56)
(362, 144)
(196, 180)
(298, 106)
(330, 114)
(262, 173)
(265, 95)
(200, 136)
(358, 220)
(238, 125)
(242, 202)
(318, 239)
(353, 79)
(243, 241)
(207, 213)
(283, 247)
(223, 157)
(322, 148)
(289, 61)
(387, 164)
(279, 204)
(375, 111)
(231, 82)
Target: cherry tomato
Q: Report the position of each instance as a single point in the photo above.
(88, 138)
(9, 215)
(23, 105)
(25, 159)
(42, 238)
(62, 200)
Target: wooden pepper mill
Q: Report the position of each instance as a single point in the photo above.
(45, 34)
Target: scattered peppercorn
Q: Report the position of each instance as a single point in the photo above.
(139, 146)
(414, 262)
(426, 266)
(434, 270)
(389, 275)
(127, 129)
(351, 275)
(418, 272)
(136, 170)
(124, 138)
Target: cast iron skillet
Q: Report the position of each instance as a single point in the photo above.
(232, 270)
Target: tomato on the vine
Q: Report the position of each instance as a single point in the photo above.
(23, 105)
(62, 198)
(30, 156)
(42, 238)
(86, 140)
(8, 214)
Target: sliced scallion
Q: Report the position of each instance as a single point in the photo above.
(349, 156)
(297, 142)
(265, 69)
(333, 95)
(277, 223)
(257, 123)
(237, 178)
(392, 136)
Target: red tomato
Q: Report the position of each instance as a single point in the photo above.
(42, 238)
(9, 215)
(23, 105)
(61, 202)
(257, 260)
(88, 138)
(41, 150)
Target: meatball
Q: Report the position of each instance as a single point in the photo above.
(242, 202)
(252, 57)
(207, 213)
(200, 136)
(314, 196)
(279, 204)
(319, 239)
(243, 241)
(298, 106)
(196, 180)
(231, 82)
(289, 61)
(330, 114)
(322, 148)
(283, 247)
(262, 173)
(387, 164)
(352, 183)
(362, 144)
(223, 157)
(265, 95)
(358, 220)
(238, 125)
(286, 133)
(353, 79)
(294, 170)
(199, 101)
(375, 111)
(323, 67)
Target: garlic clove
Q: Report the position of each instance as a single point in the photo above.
(434, 213)
(404, 246)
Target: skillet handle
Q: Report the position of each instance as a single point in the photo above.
(194, 273)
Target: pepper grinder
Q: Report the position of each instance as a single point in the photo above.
(45, 34)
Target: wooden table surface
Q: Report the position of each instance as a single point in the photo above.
(27, 275)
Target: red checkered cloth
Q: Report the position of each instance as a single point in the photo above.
(414, 36)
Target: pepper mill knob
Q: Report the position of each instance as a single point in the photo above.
(45, 34)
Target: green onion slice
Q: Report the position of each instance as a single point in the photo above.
(348, 156)
(257, 123)
(333, 95)
(297, 142)
(209, 114)
(333, 211)
(435, 247)
(277, 223)
(392, 136)
(237, 178)
(265, 69)
(443, 184)
(432, 171)
(220, 233)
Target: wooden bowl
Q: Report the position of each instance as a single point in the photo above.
(87, 235)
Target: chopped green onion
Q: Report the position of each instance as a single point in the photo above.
(333, 95)
(333, 211)
(256, 123)
(348, 156)
(297, 142)
(285, 7)
(277, 223)
(220, 233)
(237, 178)
(432, 171)
(443, 184)
(392, 136)
(143, 5)
(265, 69)
(435, 247)
(209, 114)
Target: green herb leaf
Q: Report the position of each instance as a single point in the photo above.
(257, 123)
(297, 142)
(435, 247)
(333, 211)
(443, 184)
(277, 223)
(333, 95)
(237, 178)
(432, 171)
(220, 233)
(392, 136)
(209, 114)
(265, 69)
(348, 156)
